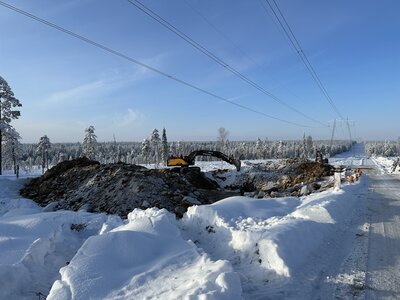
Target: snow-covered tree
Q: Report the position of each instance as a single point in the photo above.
(164, 147)
(388, 149)
(12, 148)
(179, 148)
(7, 112)
(259, 148)
(155, 141)
(303, 151)
(172, 149)
(309, 146)
(146, 148)
(280, 151)
(222, 139)
(43, 148)
(89, 143)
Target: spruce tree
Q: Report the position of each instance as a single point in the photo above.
(259, 149)
(164, 147)
(89, 143)
(155, 140)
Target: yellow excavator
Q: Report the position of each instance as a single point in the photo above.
(189, 160)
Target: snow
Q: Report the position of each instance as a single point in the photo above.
(145, 259)
(385, 164)
(34, 245)
(238, 248)
(267, 240)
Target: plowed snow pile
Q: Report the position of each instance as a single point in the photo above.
(263, 246)
(145, 259)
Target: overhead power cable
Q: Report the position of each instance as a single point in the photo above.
(137, 62)
(295, 43)
(218, 31)
(235, 45)
(215, 58)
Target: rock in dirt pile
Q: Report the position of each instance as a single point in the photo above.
(119, 188)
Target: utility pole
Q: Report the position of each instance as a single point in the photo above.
(333, 134)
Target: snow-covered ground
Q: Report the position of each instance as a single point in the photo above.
(238, 248)
(385, 164)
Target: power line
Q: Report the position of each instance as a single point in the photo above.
(213, 57)
(132, 60)
(296, 45)
(235, 45)
(220, 32)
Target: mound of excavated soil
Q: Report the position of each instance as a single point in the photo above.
(280, 178)
(120, 188)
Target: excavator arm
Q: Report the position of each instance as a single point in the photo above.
(185, 161)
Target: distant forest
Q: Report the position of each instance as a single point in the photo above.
(148, 152)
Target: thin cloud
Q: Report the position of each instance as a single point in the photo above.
(127, 119)
(78, 92)
(111, 80)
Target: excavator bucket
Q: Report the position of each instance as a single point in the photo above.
(236, 163)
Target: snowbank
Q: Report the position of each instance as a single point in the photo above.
(385, 164)
(145, 259)
(35, 246)
(268, 241)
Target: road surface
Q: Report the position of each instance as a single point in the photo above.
(379, 254)
(383, 259)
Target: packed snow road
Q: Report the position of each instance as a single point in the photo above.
(382, 248)
(383, 261)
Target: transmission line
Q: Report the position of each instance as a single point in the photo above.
(213, 57)
(218, 31)
(137, 62)
(297, 47)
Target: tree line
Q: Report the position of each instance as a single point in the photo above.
(383, 148)
(156, 150)
(152, 150)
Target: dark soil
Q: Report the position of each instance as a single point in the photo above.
(119, 188)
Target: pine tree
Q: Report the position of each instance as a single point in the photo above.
(155, 140)
(7, 103)
(89, 143)
(43, 148)
(164, 147)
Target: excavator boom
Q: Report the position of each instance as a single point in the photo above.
(185, 161)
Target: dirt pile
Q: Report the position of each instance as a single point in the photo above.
(119, 188)
(287, 177)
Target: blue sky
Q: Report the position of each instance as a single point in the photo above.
(65, 85)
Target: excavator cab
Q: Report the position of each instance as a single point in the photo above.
(189, 160)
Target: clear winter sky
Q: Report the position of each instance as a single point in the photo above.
(65, 85)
